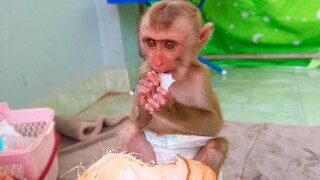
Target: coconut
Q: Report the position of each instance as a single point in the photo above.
(121, 166)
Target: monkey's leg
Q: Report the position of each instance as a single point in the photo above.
(213, 153)
(133, 140)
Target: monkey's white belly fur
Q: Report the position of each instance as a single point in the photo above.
(166, 147)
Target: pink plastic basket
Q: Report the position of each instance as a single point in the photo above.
(37, 161)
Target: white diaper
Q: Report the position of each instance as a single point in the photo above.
(166, 147)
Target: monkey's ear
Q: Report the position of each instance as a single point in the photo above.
(205, 33)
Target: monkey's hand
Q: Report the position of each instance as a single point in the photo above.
(160, 101)
(146, 87)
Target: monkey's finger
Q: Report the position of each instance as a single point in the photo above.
(154, 104)
(142, 96)
(153, 77)
(148, 85)
(149, 108)
(142, 89)
(159, 99)
(143, 99)
(165, 94)
(143, 93)
(167, 97)
(144, 82)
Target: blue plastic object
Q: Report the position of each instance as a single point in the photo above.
(201, 4)
(208, 63)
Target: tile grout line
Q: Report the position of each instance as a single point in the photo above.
(251, 149)
(301, 100)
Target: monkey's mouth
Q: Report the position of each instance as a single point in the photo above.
(162, 71)
(158, 69)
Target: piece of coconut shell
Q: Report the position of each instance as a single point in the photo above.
(120, 166)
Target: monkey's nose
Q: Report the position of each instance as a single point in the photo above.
(158, 64)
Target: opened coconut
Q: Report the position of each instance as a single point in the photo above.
(120, 166)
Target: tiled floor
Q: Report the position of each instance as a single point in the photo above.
(276, 95)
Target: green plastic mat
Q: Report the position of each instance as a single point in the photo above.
(263, 26)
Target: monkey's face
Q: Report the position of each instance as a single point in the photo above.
(161, 54)
(165, 49)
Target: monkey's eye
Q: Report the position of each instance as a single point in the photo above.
(151, 43)
(170, 44)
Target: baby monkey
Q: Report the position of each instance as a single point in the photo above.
(170, 36)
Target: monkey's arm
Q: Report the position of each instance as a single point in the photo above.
(145, 89)
(139, 114)
(190, 105)
(200, 116)
(206, 121)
